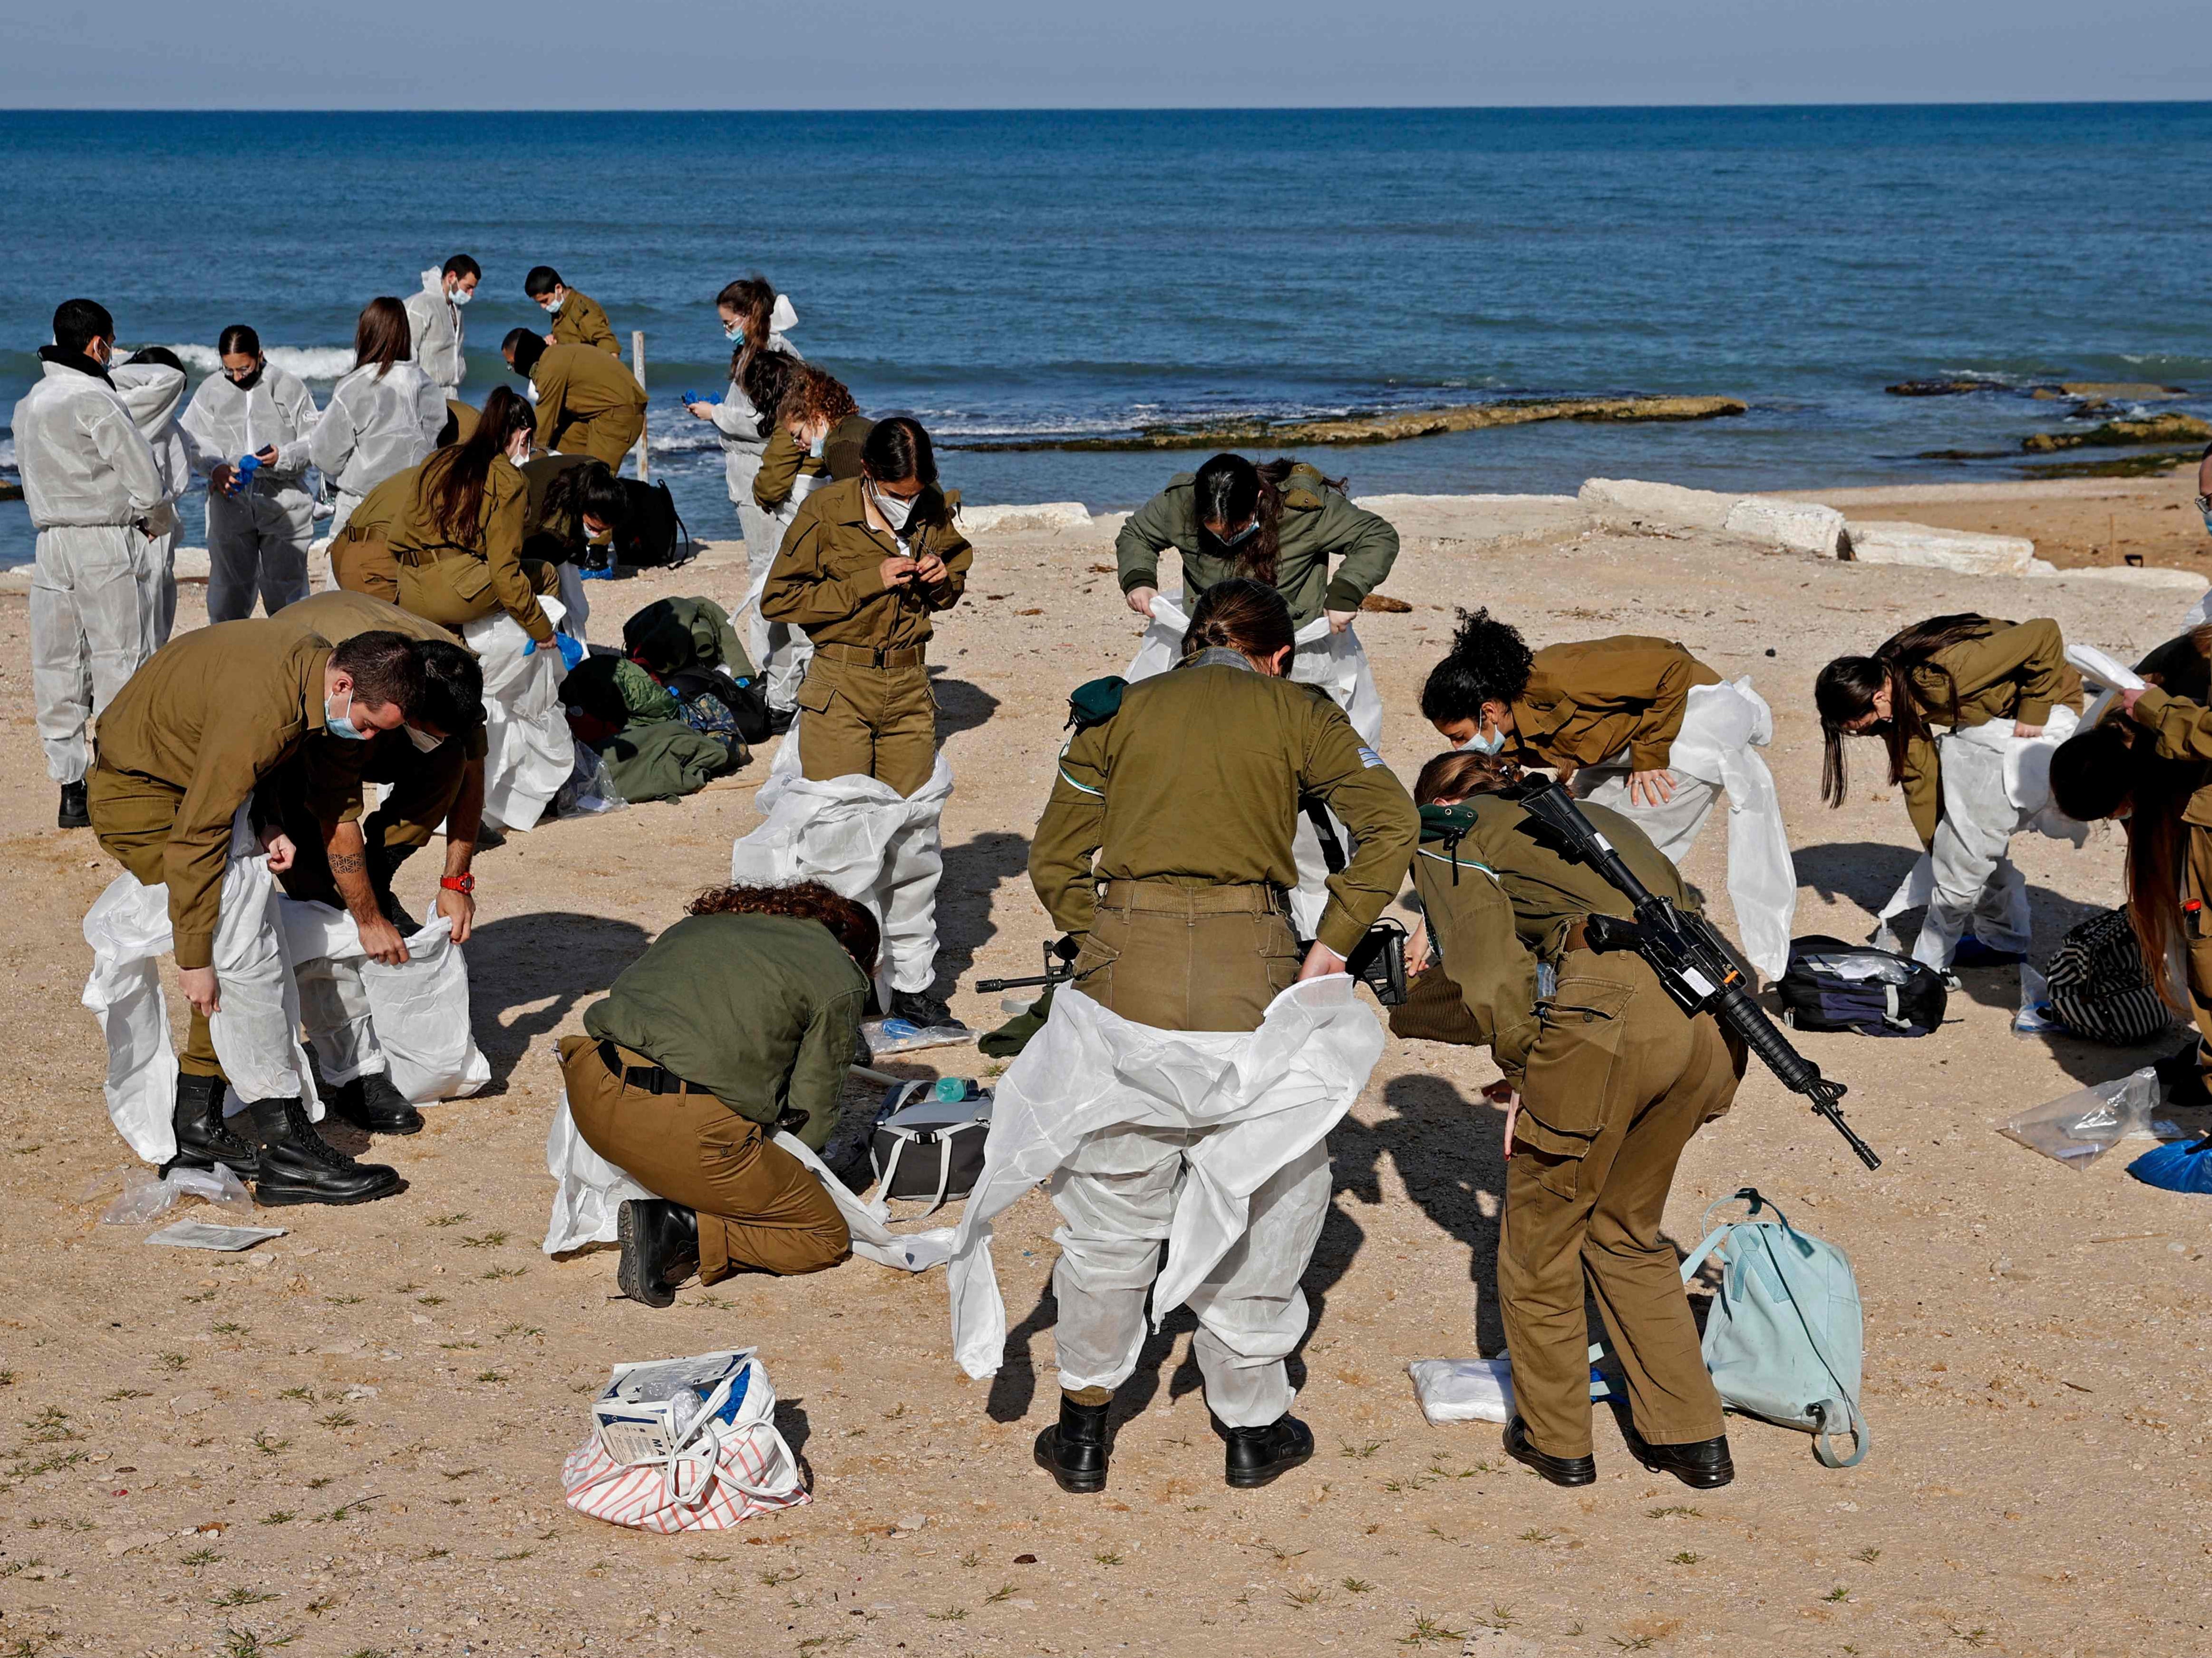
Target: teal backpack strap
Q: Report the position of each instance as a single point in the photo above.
(1853, 1419)
(1712, 1241)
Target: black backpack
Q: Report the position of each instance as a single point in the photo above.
(1833, 985)
(654, 539)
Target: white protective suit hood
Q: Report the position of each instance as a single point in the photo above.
(153, 393)
(82, 459)
(781, 318)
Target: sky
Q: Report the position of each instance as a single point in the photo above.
(1028, 54)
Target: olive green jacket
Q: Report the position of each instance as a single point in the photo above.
(783, 462)
(207, 716)
(1499, 900)
(583, 321)
(1198, 779)
(1588, 700)
(417, 538)
(1317, 524)
(2016, 671)
(577, 383)
(763, 1012)
(828, 576)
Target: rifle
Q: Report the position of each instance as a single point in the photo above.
(1378, 960)
(1693, 961)
(1059, 967)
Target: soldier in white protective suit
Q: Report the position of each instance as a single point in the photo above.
(152, 385)
(1186, 1079)
(383, 417)
(249, 427)
(94, 489)
(434, 317)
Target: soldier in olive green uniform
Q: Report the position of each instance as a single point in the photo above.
(578, 319)
(181, 750)
(1928, 692)
(864, 567)
(1613, 1081)
(587, 402)
(452, 573)
(1281, 524)
(786, 460)
(360, 554)
(739, 1020)
(1165, 852)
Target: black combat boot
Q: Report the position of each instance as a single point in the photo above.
(660, 1249)
(1075, 1449)
(918, 1007)
(74, 813)
(1703, 1463)
(1560, 1470)
(1257, 1455)
(204, 1139)
(298, 1165)
(373, 1105)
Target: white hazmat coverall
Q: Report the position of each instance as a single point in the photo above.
(89, 478)
(780, 651)
(257, 539)
(1213, 1143)
(377, 423)
(153, 392)
(435, 321)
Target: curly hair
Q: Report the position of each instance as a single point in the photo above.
(850, 923)
(814, 394)
(1489, 662)
(1462, 772)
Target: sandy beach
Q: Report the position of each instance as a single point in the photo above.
(350, 1439)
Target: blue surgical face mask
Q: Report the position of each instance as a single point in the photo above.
(815, 447)
(735, 333)
(1482, 743)
(338, 725)
(1240, 536)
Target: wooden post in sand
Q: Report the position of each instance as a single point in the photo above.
(637, 368)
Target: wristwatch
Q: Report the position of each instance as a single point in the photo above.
(458, 883)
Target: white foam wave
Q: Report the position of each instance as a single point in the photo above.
(700, 437)
(309, 362)
(8, 453)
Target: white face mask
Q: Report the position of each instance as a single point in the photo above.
(554, 309)
(896, 512)
(423, 742)
(460, 295)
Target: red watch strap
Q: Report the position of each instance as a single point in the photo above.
(458, 883)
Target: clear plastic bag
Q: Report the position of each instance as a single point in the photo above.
(590, 789)
(889, 1036)
(2036, 1017)
(2078, 1128)
(148, 1196)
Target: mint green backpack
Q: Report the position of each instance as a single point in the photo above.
(1784, 1338)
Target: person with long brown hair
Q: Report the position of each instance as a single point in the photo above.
(1945, 697)
(458, 543)
(1164, 853)
(383, 417)
(1611, 1081)
(2149, 763)
(734, 1028)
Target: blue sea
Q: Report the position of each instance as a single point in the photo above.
(1033, 275)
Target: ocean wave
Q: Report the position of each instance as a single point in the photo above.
(309, 362)
(692, 438)
(7, 454)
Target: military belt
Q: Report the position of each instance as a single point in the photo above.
(1189, 898)
(649, 1078)
(872, 656)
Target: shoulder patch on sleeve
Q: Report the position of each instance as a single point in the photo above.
(1369, 758)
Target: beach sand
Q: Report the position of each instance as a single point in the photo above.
(352, 1437)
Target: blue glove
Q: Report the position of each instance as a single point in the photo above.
(585, 573)
(572, 649)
